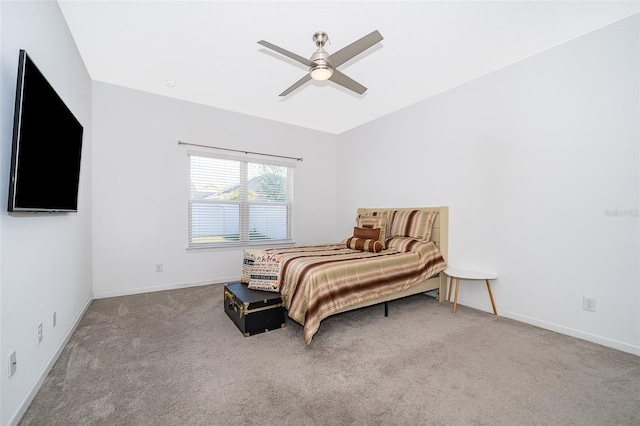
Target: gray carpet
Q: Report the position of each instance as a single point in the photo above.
(175, 358)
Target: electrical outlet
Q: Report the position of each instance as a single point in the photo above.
(158, 267)
(13, 364)
(55, 319)
(589, 304)
(39, 332)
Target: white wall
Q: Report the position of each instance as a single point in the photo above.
(46, 258)
(2, 125)
(140, 183)
(529, 159)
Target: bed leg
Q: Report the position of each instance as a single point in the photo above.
(442, 290)
(386, 309)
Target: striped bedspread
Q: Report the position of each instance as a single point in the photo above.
(318, 281)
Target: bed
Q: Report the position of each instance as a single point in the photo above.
(322, 280)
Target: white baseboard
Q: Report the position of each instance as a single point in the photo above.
(140, 290)
(594, 338)
(24, 404)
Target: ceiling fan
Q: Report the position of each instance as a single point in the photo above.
(322, 65)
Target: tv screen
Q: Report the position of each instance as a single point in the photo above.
(47, 145)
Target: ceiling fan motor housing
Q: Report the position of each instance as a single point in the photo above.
(322, 69)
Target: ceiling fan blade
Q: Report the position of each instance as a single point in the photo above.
(343, 55)
(286, 53)
(295, 85)
(344, 81)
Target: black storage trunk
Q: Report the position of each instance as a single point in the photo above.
(253, 311)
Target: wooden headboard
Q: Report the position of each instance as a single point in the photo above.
(440, 230)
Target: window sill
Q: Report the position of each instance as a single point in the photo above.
(241, 246)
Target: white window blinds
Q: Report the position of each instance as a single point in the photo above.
(234, 202)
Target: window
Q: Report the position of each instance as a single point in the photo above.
(237, 202)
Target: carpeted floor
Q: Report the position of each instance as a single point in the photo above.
(175, 358)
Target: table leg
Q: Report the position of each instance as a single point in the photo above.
(455, 298)
(495, 312)
(450, 288)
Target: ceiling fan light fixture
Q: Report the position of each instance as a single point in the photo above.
(321, 72)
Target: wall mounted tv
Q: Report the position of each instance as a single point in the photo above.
(47, 145)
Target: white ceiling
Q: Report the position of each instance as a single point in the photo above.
(210, 49)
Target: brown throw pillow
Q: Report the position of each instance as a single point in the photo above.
(365, 239)
(362, 244)
(366, 233)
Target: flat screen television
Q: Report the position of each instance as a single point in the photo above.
(47, 146)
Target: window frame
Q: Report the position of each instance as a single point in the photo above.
(243, 204)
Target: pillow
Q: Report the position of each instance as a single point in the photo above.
(364, 244)
(375, 222)
(266, 272)
(413, 224)
(388, 215)
(407, 244)
(247, 264)
(366, 233)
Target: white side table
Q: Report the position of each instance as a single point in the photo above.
(463, 274)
